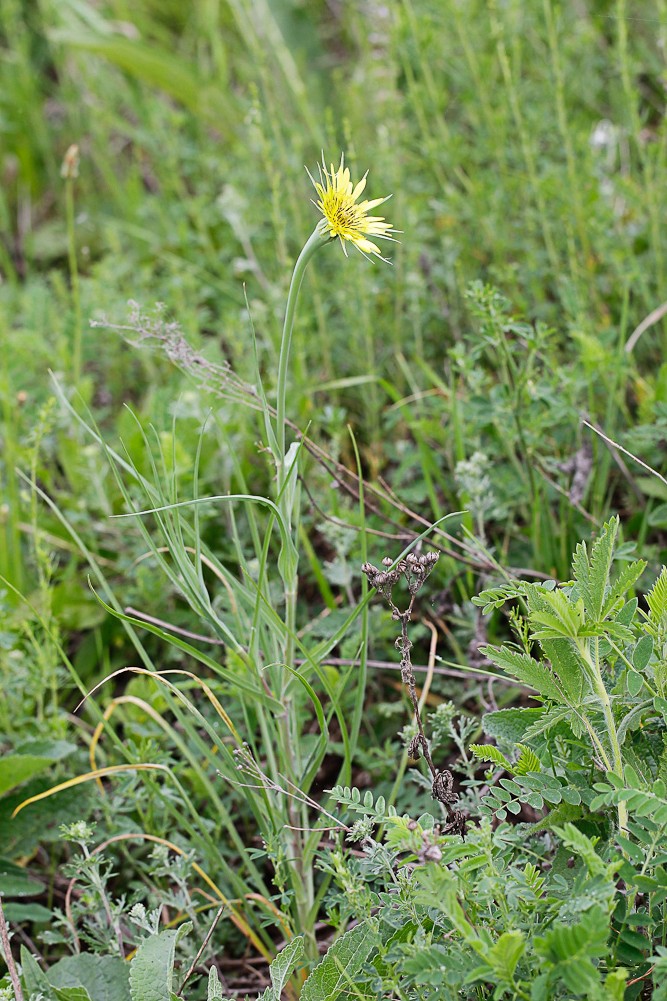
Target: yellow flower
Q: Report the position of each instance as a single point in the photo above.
(344, 216)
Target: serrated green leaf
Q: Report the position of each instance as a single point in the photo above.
(510, 724)
(341, 964)
(628, 576)
(283, 965)
(656, 599)
(592, 575)
(565, 661)
(529, 671)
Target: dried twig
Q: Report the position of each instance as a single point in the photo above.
(414, 570)
(9, 959)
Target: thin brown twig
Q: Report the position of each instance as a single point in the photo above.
(648, 321)
(207, 939)
(405, 536)
(171, 628)
(9, 959)
(564, 493)
(619, 461)
(387, 665)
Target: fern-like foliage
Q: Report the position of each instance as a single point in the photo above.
(530, 672)
(583, 846)
(366, 804)
(489, 752)
(496, 597)
(527, 761)
(656, 599)
(569, 951)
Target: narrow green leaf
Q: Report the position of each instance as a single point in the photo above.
(34, 979)
(154, 66)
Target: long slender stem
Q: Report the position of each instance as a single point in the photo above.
(314, 241)
(74, 279)
(610, 722)
(287, 503)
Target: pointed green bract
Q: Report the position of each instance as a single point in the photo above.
(592, 574)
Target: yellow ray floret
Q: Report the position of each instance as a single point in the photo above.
(344, 216)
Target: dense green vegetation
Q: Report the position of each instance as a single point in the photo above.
(233, 764)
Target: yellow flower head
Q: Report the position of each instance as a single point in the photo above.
(344, 216)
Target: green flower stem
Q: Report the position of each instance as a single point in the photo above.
(605, 702)
(74, 279)
(287, 504)
(315, 240)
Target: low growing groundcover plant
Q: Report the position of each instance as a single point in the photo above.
(567, 901)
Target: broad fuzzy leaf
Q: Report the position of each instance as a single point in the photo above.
(152, 969)
(512, 724)
(341, 964)
(281, 968)
(106, 978)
